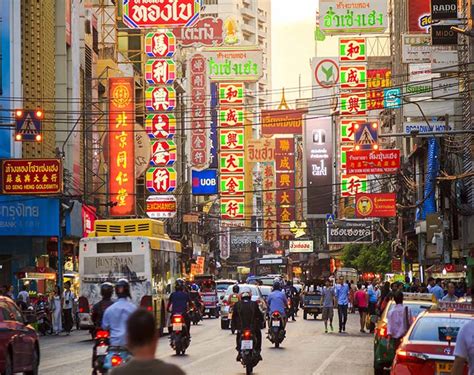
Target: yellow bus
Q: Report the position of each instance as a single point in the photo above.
(138, 250)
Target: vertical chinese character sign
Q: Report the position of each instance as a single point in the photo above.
(269, 201)
(122, 146)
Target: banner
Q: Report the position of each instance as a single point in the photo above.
(373, 162)
(318, 140)
(376, 205)
(282, 122)
(122, 145)
(350, 231)
(260, 150)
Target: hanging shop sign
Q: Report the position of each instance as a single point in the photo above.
(353, 16)
(377, 81)
(122, 145)
(232, 162)
(145, 14)
(443, 35)
(160, 180)
(32, 176)
(392, 98)
(29, 216)
(234, 63)
(246, 238)
(163, 153)
(282, 122)
(224, 242)
(89, 216)
(207, 31)
(204, 182)
(354, 103)
(231, 93)
(366, 135)
(373, 162)
(160, 71)
(232, 139)
(421, 127)
(269, 201)
(159, 126)
(350, 231)
(376, 205)
(326, 72)
(160, 44)
(232, 184)
(444, 9)
(353, 77)
(318, 140)
(352, 50)
(260, 150)
(160, 99)
(419, 16)
(232, 208)
(353, 184)
(301, 246)
(231, 117)
(161, 206)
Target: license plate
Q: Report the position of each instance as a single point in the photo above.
(246, 345)
(275, 323)
(177, 326)
(101, 350)
(207, 310)
(443, 368)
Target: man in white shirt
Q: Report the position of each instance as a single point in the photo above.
(450, 297)
(68, 303)
(464, 350)
(398, 319)
(23, 295)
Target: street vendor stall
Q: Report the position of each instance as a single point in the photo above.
(37, 280)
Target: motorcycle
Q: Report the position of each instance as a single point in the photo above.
(248, 355)
(116, 355)
(99, 351)
(276, 329)
(42, 318)
(195, 315)
(179, 337)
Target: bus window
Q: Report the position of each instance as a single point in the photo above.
(114, 247)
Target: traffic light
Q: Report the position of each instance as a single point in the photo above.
(28, 125)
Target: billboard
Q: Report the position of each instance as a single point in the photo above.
(122, 145)
(350, 231)
(204, 182)
(376, 205)
(32, 176)
(419, 16)
(318, 140)
(282, 122)
(373, 162)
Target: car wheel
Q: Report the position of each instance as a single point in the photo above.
(34, 364)
(8, 365)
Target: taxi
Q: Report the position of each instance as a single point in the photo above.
(428, 346)
(383, 355)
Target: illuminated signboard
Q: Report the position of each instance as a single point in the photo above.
(160, 71)
(160, 44)
(353, 103)
(353, 184)
(160, 98)
(231, 93)
(233, 208)
(353, 77)
(161, 180)
(160, 126)
(163, 153)
(232, 139)
(232, 184)
(122, 145)
(232, 162)
(232, 116)
(352, 50)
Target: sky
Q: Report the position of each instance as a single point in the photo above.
(293, 24)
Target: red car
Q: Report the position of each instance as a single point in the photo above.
(428, 346)
(19, 346)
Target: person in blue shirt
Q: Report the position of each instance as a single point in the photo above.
(342, 297)
(116, 316)
(180, 302)
(277, 300)
(435, 288)
(372, 292)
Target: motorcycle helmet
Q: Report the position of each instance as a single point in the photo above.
(235, 289)
(122, 289)
(276, 284)
(106, 290)
(179, 284)
(195, 287)
(246, 293)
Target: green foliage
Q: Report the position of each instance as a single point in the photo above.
(368, 257)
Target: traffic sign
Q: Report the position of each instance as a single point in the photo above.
(28, 125)
(366, 135)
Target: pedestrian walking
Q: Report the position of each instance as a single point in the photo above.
(68, 303)
(373, 296)
(24, 296)
(399, 319)
(361, 300)
(451, 296)
(435, 288)
(342, 296)
(56, 304)
(10, 292)
(328, 294)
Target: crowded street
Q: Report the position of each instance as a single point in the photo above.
(307, 351)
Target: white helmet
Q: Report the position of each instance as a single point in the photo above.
(245, 292)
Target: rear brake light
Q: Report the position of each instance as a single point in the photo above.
(102, 335)
(276, 314)
(382, 331)
(177, 319)
(410, 357)
(81, 309)
(225, 302)
(247, 335)
(116, 360)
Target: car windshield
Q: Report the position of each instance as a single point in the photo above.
(434, 328)
(416, 307)
(223, 286)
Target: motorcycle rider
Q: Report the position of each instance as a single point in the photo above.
(247, 315)
(277, 301)
(106, 291)
(116, 316)
(291, 293)
(179, 303)
(196, 298)
(235, 296)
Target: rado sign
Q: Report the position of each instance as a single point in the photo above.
(443, 35)
(444, 9)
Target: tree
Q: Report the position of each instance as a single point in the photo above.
(368, 257)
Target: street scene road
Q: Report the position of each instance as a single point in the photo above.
(307, 350)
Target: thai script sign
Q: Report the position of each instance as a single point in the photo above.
(260, 150)
(234, 63)
(207, 31)
(377, 81)
(419, 16)
(282, 121)
(122, 145)
(376, 205)
(373, 162)
(352, 50)
(161, 206)
(353, 16)
(301, 246)
(160, 44)
(145, 14)
(32, 176)
(350, 231)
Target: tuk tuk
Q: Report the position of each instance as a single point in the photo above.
(208, 292)
(312, 300)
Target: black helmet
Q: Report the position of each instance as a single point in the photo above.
(235, 288)
(122, 288)
(106, 290)
(179, 285)
(276, 284)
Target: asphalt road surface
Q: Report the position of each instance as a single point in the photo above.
(306, 350)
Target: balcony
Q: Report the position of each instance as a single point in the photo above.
(247, 12)
(248, 28)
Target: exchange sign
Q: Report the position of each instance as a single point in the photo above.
(350, 231)
(161, 206)
(161, 98)
(232, 208)
(376, 205)
(160, 71)
(373, 162)
(160, 44)
(160, 180)
(160, 126)
(32, 176)
(352, 50)
(146, 14)
(353, 77)
(163, 153)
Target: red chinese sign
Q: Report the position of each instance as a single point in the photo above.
(348, 128)
(282, 121)
(89, 217)
(160, 99)
(233, 208)
(353, 103)
(269, 202)
(163, 153)
(232, 162)
(160, 126)
(231, 93)
(160, 71)
(353, 77)
(353, 184)
(122, 145)
(160, 44)
(377, 81)
(352, 50)
(232, 184)
(376, 205)
(231, 116)
(373, 162)
(208, 31)
(160, 180)
(145, 14)
(32, 176)
(232, 139)
(285, 185)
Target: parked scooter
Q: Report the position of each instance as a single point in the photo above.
(179, 334)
